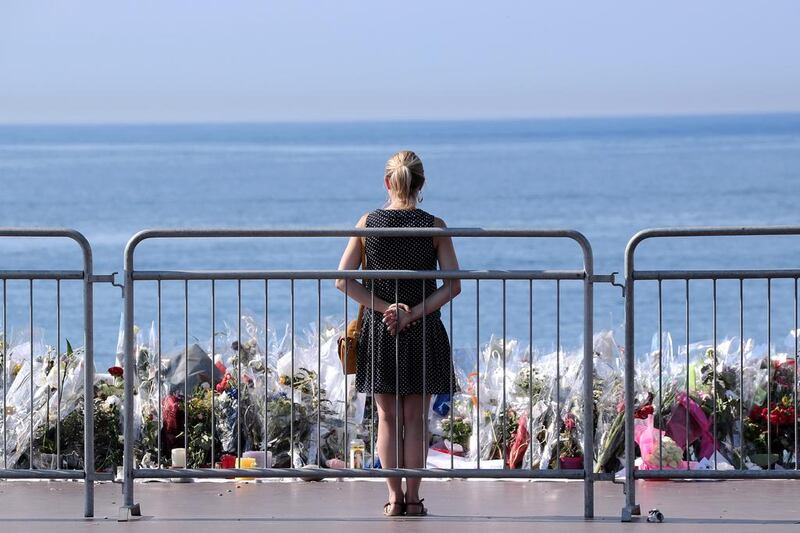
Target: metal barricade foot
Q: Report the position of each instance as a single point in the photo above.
(126, 512)
(629, 511)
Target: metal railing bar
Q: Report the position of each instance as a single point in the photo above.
(319, 370)
(558, 375)
(688, 466)
(5, 377)
(266, 368)
(714, 231)
(346, 443)
(373, 410)
(769, 370)
(213, 369)
(452, 372)
(291, 378)
(660, 373)
(530, 370)
(30, 339)
(206, 473)
(741, 375)
(396, 384)
(186, 370)
(181, 275)
(24, 473)
(42, 274)
(58, 374)
(166, 233)
(714, 369)
(44, 474)
(505, 406)
(158, 372)
(478, 409)
(652, 275)
(717, 474)
(423, 407)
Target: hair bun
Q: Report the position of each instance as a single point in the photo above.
(406, 175)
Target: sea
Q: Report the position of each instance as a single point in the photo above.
(605, 177)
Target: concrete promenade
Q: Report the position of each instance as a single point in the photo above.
(355, 506)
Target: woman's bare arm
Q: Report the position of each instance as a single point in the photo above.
(351, 259)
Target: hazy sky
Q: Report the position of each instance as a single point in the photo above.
(193, 60)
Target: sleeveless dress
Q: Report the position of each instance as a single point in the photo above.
(376, 343)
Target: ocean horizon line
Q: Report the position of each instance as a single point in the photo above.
(578, 118)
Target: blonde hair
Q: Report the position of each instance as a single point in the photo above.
(406, 176)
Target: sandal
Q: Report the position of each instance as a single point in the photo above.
(387, 509)
(422, 509)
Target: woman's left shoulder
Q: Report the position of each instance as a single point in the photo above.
(434, 221)
(438, 222)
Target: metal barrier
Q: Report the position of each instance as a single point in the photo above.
(134, 276)
(632, 276)
(86, 277)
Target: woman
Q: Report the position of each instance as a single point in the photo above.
(388, 323)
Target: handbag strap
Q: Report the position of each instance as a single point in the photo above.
(360, 318)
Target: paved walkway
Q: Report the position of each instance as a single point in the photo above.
(355, 506)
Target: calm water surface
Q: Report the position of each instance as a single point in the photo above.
(607, 178)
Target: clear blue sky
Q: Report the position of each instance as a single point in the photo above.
(194, 60)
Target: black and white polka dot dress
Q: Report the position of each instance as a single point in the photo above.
(376, 343)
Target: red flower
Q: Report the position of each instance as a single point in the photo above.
(781, 416)
(521, 442)
(172, 417)
(115, 371)
(569, 423)
(777, 415)
(644, 411)
(223, 385)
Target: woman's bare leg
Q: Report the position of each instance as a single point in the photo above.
(415, 439)
(387, 451)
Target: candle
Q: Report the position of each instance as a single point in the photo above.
(179, 458)
(357, 448)
(260, 458)
(228, 461)
(245, 462)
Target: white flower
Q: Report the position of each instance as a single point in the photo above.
(52, 377)
(113, 400)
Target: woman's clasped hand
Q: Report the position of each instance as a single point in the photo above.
(397, 317)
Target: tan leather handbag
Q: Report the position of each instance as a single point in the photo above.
(350, 345)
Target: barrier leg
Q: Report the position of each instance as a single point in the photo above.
(129, 508)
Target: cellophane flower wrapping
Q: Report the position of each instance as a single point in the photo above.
(735, 406)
